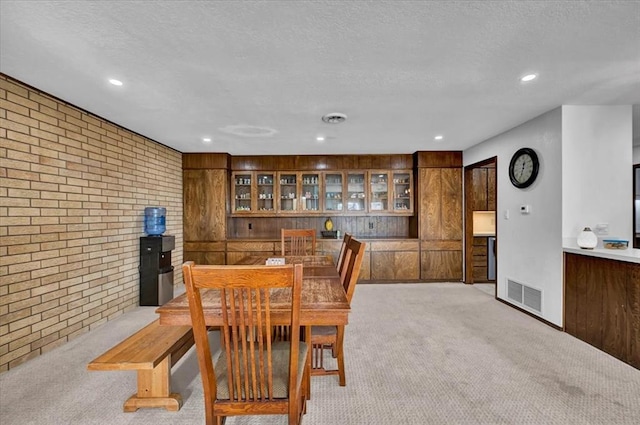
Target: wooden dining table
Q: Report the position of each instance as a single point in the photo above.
(323, 302)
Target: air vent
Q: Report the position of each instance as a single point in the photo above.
(334, 118)
(524, 295)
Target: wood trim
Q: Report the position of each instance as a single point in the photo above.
(197, 161)
(321, 162)
(409, 245)
(454, 245)
(438, 159)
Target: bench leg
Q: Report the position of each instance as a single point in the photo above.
(153, 389)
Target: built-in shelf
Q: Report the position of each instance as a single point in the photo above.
(484, 223)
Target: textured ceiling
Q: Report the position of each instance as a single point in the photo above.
(256, 76)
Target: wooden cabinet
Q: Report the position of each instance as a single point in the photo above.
(602, 304)
(205, 182)
(329, 247)
(440, 223)
(253, 192)
(288, 193)
(311, 198)
(402, 191)
(240, 249)
(300, 192)
(265, 192)
(205, 252)
(204, 205)
(377, 192)
(334, 192)
(395, 260)
(356, 192)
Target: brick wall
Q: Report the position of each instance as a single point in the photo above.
(72, 197)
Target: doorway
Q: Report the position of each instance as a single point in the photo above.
(480, 195)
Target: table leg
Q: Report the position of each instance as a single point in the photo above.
(153, 389)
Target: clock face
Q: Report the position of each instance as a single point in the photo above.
(523, 168)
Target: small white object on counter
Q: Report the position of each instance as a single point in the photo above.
(587, 239)
(275, 261)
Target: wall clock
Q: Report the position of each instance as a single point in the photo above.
(523, 168)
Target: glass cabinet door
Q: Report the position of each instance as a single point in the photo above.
(333, 188)
(266, 192)
(288, 192)
(356, 192)
(310, 195)
(402, 189)
(242, 192)
(379, 181)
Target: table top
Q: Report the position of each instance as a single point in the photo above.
(324, 301)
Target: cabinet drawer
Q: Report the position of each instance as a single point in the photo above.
(395, 246)
(387, 265)
(245, 246)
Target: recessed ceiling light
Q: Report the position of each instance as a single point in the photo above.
(438, 137)
(529, 77)
(320, 138)
(115, 82)
(206, 139)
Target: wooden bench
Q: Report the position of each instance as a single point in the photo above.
(152, 351)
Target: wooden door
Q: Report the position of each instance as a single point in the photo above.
(440, 224)
(204, 205)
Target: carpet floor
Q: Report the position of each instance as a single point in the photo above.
(441, 353)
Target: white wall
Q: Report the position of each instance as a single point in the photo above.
(596, 169)
(529, 246)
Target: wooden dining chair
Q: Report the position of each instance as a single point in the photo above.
(252, 374)
(343, 252)
(298, 241)
(324, 337)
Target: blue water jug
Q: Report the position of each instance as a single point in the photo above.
(154, 220)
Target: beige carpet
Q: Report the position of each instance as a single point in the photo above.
(416, 354)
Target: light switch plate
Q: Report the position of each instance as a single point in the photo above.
(601, 229)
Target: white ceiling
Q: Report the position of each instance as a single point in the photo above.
(256, 76)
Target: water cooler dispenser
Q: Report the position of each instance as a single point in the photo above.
(156, 271)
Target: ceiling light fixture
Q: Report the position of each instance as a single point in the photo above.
(320, 138)
(206, 139)
(334, 118)
(115, 82)
(529, 77)
(438, 137)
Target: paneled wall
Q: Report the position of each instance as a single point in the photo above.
(364, 227)
(439, 192)
(72, 196)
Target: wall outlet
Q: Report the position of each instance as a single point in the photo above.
(601, 229)
(370, 225)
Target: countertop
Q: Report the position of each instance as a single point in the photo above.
(631, 255)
